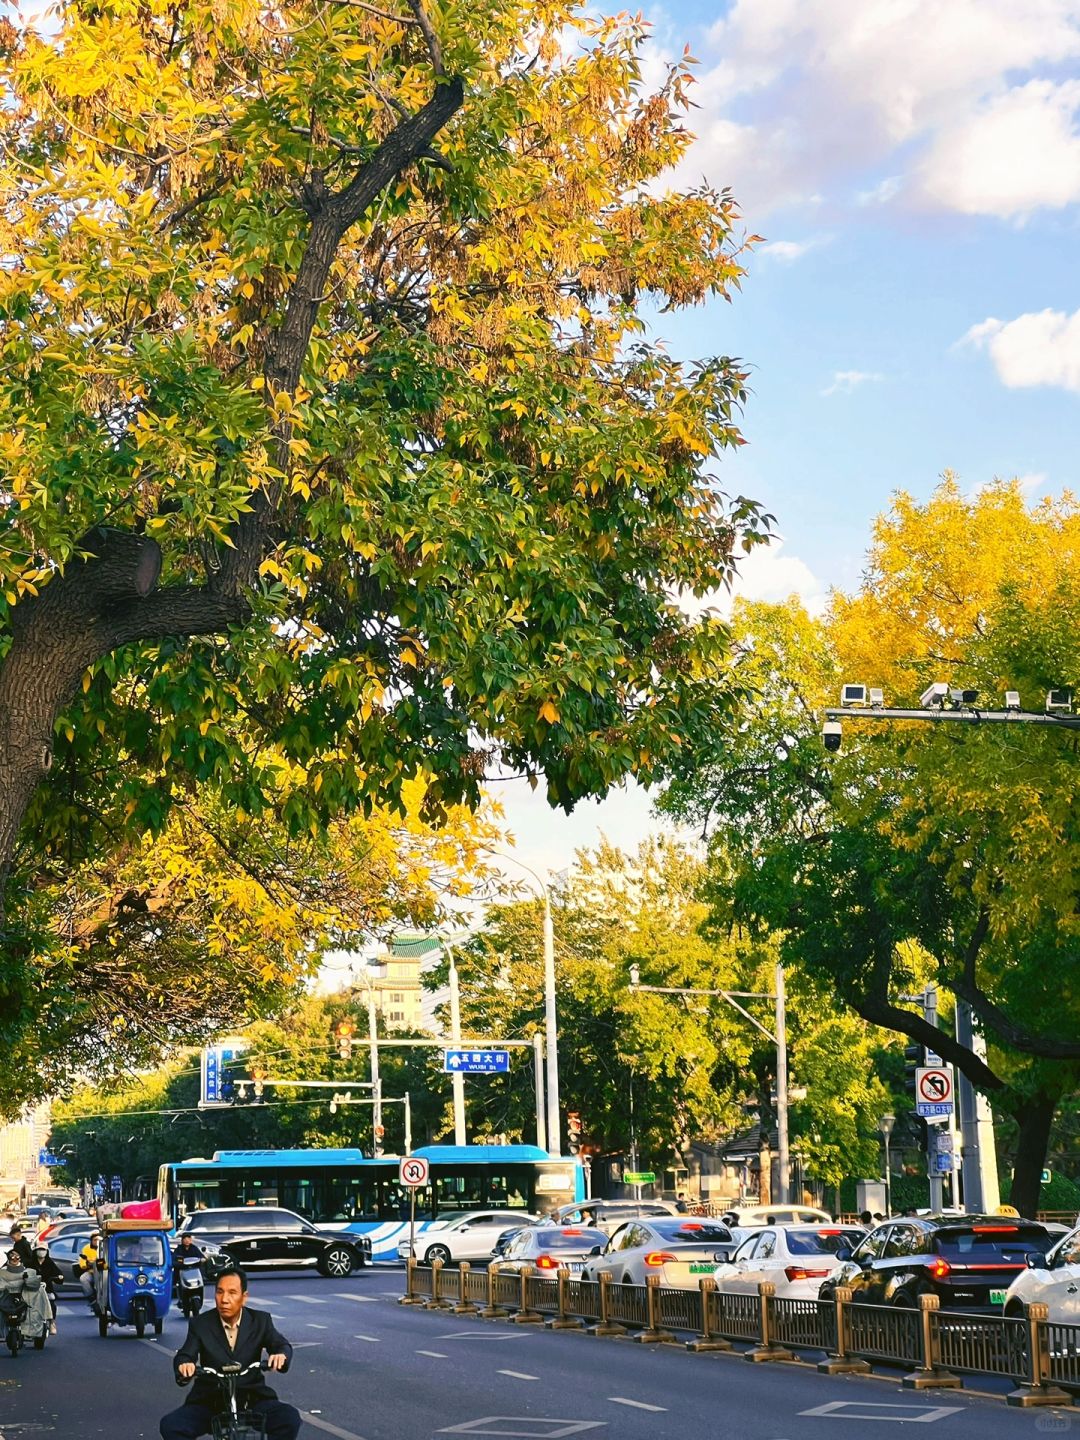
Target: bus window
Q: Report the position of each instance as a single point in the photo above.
(464, 1191)
(507, 1190)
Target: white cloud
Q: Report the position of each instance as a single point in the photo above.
(1040, 348)
(965, 106)
(787, 251)
(846, 381)
(765, 574)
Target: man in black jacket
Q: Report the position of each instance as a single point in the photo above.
(230, 1334)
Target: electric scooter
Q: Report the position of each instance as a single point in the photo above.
(235, 1424)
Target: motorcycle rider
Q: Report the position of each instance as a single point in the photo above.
(21, 1245)
(88, 1261)
(13, 1281)
(51, 1277)
(188, 1256)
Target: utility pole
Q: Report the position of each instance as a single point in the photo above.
(981, 1192)
(538, 1083)
(457, 1080)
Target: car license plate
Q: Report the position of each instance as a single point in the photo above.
(575, 1265)
(705, 1269)
(997, 1297)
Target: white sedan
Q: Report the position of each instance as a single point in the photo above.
(794, 1258)
(470, 1236)
(1055, 1282)
(680, 1249)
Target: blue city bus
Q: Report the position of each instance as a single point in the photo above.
(344, 1189)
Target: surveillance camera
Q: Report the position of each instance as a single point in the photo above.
(635, 974)
(1059, 700)
(833, 735)
(933, 697)
(877, 698)
(963, 699)
(851, 695)
(1012, 699)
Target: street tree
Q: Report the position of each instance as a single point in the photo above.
(954, 843)
(214, 921)
(329, 434)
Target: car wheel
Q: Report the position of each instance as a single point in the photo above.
(437, 1252)
(628, 1280)
(904, 1300)
(337, 1262)
(1014, 1310)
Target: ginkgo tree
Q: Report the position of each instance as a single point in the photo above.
(330, 437)
(921, 851)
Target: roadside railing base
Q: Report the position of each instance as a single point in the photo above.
(607, 1327)
(843, 1365)
(1028, 1395)
(932, 1380)
(655, 1337)
(565, 1323)
(762, 1353)
(703, 1343)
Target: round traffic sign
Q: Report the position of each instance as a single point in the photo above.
(413, 1170)
(935, 1086)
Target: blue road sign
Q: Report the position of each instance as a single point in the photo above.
(47, 1158)
(927, 1111)
(99, 1190)
(476, 1062)
(943, 1164)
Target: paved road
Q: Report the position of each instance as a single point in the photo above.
(369, 1369)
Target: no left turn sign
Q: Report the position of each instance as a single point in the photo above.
(413, 1170)
(935, 1086)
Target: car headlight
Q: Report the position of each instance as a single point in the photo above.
(141, 1279)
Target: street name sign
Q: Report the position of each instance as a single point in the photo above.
(476, 1062)
(413, 1170)
(639, 1177)
(933, 1092)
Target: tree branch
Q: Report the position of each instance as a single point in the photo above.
(434, 48)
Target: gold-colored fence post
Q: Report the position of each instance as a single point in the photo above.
(606, 1326)
(491, 1311)
(766, 1349)
(410, 1298)
(1038, 1390)
(707, 1340)
(564, 1320)
(930, 1375)
(842, 1362)
(524, 1315)
(437, 1302)
(654, 1333)
(464, 1305)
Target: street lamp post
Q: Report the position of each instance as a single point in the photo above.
(885, 1125)
(551, 1029)
(779, 1039)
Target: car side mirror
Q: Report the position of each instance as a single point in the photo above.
(597, 1250)
(1036, 1261)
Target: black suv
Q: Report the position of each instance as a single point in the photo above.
(967, 1261)
(263, 1236)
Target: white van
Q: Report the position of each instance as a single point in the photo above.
(749, 1217)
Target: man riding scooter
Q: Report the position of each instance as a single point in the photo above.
(188, 1261)
(52, 1277)
(88, 1268)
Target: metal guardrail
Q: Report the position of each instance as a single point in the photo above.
(935, 1346)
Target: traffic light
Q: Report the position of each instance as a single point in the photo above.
(344, 1030)
(913, 1058)
(573, 1131)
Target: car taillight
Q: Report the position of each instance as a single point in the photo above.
(799, 1272)
(658, 1257)
(994, 1229)
(546, 1262)
(940, 1268)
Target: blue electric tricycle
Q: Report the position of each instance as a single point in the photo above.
(134, 1281)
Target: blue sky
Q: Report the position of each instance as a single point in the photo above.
(915, 168)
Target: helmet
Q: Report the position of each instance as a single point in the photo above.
(41, 1248)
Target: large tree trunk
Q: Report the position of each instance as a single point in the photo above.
(1034, 1119)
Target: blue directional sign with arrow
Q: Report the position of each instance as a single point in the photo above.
(476, 1062)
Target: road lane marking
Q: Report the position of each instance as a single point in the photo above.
(372, 1339)
(319, 1424)
(306, 1299)
(391, 1294)
(518, 1375)
(871, 1410)
(435, 1354)
(566, 1427)
(312, 1326)
(483, 1335)
(360, 1299)
(637, 1404)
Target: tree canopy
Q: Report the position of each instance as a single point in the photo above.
(329, 431)
(940, 851)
